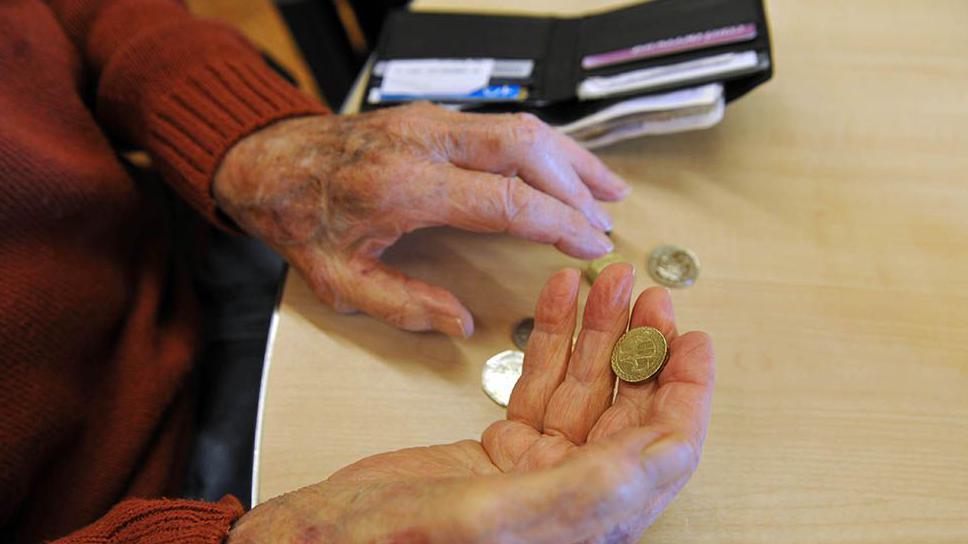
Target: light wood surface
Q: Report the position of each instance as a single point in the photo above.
(830, 213)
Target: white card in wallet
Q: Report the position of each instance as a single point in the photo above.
(642, 80)
(435, 77)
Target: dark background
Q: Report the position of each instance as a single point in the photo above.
(335, 37)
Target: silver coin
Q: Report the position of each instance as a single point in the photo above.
(521, 333)
(673, 266)
(500, 374)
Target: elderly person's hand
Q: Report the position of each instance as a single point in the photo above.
(569, 464)
(331, 193)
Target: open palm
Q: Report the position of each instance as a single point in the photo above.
(576, 459)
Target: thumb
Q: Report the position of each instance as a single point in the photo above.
(364, 283)
(600, 489)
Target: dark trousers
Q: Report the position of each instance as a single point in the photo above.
(237, 279)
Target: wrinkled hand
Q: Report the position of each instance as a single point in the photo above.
(331, 193)
(568, 465)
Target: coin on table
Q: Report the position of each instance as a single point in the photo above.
(595, 267)
(673, 266)
(521, 333)
(639, 354)
(500, 374)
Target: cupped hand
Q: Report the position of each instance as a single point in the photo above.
(331, 193)
(571, 463)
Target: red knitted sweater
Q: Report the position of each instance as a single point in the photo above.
(97, 325)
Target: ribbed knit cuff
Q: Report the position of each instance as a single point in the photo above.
(162, 520)
(191, 127)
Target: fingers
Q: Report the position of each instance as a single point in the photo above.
(586, 391)
(653, 309)
(680, 399)
(545, 363)
(483, 202)
(542, 165)
(603, 183)
(601, 486)
(367, 285)
(549, 347)
(522, 145)
(683, 399)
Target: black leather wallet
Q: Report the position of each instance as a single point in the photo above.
(655, 34)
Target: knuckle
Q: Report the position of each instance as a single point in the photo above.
(397, 124)
(331, 285)
(325, 292)
(419, 106)
(497, 431)
(527, 118)
(340, 304)
(527, 130)
(514, 200)
(398, 316)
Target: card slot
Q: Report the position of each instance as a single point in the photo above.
(512, 81)
(662, 19)
(415, 35)
(377, 82)
(759, 44)
(631, 85)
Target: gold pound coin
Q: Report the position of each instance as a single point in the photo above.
(639, 354)
(673, 266)
(595, 267)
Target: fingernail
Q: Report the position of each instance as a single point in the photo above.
(599, 217)
(603, 244)
(668, 460)
(622, 188)
(453, 326)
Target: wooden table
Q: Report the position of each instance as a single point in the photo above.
(830, 213)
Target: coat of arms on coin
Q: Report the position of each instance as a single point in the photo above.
(639, 354)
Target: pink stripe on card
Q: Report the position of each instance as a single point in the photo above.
(668, 46)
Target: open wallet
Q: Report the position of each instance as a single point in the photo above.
(653, 68)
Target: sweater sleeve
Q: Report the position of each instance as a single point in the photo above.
(183, 89)
(144, 521)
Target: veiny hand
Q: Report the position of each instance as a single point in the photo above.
(568, 465)
(331, 193)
